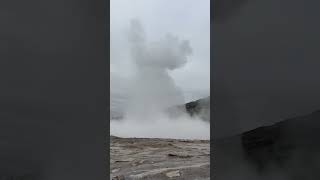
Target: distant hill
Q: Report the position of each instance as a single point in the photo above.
(199, 108)
(289, 149)
(277, 142)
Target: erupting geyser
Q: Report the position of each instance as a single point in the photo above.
(153, 91)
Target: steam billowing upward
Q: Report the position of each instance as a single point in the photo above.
(153, 89)
(168, 53)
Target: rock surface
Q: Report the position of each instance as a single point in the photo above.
(142, 158)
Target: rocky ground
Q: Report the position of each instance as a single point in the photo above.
(142, 158)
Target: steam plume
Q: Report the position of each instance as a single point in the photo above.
(153, 91)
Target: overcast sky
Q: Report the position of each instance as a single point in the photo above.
(188, 19)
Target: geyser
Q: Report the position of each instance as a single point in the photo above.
(153, 91)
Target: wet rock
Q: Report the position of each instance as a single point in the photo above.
(115, 170)
(118, 178)
(172, 174)
(179, 155)
(125, 160)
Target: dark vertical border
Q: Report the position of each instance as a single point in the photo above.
(54, 76)
(107, 89)
(211, 87)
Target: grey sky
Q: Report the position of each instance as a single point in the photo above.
(188, 19)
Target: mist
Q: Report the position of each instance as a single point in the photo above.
(162, 127)
(152, 90)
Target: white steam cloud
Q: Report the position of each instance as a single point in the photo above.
(153, 91)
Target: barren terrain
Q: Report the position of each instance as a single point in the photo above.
(143, 158)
